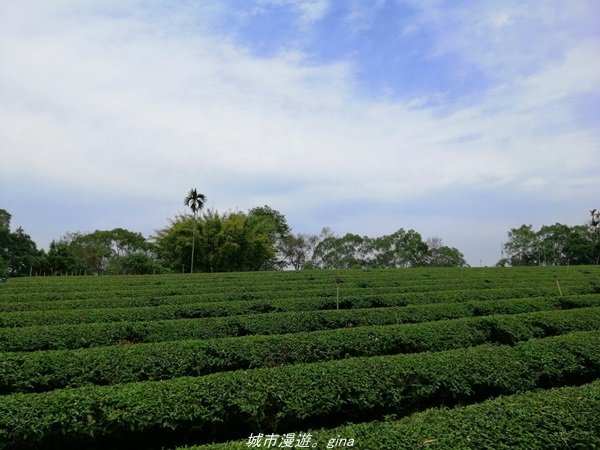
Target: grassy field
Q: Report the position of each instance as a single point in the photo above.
(383, 359)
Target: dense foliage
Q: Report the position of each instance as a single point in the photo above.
(47, 370)
(563, 418)
(261, 239)
(556, 244)
(162, 361)
(224, 242)
(401, 249)
(291, 397)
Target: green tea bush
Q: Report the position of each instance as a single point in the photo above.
(231, 405)
(550, 419)
(59, 337)
(47, 370)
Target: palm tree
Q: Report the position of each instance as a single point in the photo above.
(195, 201)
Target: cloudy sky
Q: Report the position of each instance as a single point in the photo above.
(457, 119)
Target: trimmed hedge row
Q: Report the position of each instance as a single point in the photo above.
(275, 300)
(557, 418)
(223, 309)
(64, 337)
(43, 371)
(102, 299)
(256, 284)
(241, 289)
(232, 405)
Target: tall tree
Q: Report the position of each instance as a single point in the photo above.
(5, 217)
(345, 252)
(400, 249)
(195, 201)
(440, 255)
(173, 244)
(62, 259)
(554, 244)
(18, 253)
(298, 249)
(4, 239)
(522, 248)
(99, 252)
(595, 230)
(23, 255)
(275, 224)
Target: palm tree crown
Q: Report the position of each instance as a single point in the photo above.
(194, 200)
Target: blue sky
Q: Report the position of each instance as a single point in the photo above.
(457, 119)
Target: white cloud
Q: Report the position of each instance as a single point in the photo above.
(504, 39)
(313, 10)
(121, 103)
(309, 11)
(152, 102)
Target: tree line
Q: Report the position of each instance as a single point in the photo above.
(553, 245)
(261, 239)
(209, 241)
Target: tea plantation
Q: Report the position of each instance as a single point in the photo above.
(383, 359)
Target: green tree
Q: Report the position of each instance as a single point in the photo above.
(124, 242)
(225, 242)
(553, 243)
(594, 226)
(62, 260)
(236, 242)
(5, 217)
(136, 263)
(195, 201)
(298, 249)
(275, 224)
(23, 256)
(580, 245)
(522, 248)
(18, 253)
(4, 240)
(346, 252)
(400, 249)
(173, 244)
(440, 255)
(94, 252)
